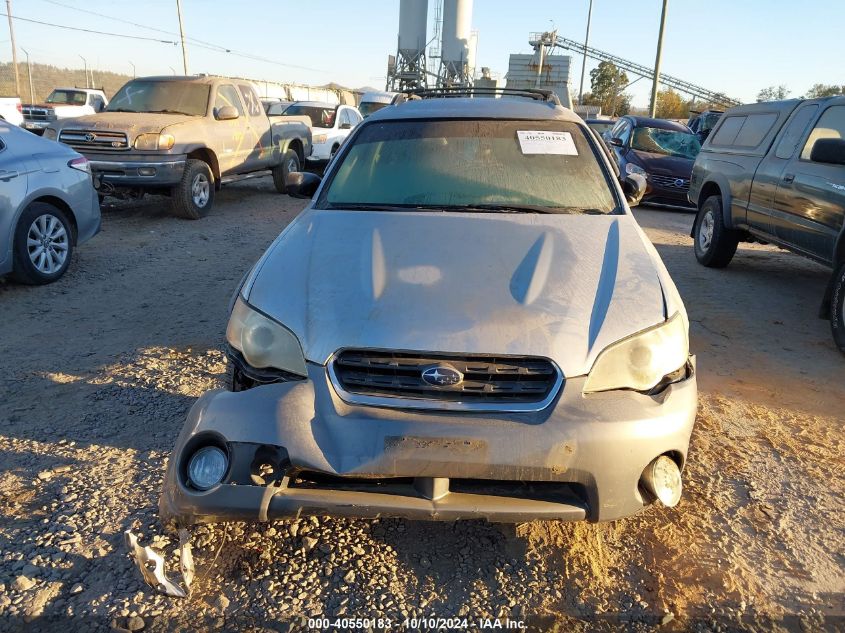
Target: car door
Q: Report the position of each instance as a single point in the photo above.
(259, 133)
(13, 188)
(762, 212)
(810, 198)
(231, 136)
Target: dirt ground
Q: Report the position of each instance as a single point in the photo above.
(98, 371)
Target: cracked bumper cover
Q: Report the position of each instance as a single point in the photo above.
(595, 446)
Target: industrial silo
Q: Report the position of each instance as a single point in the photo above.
(408, 71)
(456, 35)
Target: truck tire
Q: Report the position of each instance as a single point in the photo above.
(193, 197)
(290, 163)
(837, 308)
(43, 244)
(715, 244)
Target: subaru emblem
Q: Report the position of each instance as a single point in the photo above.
(442, 376)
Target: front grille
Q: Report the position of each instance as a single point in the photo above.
(95, 140)
(669, 182)
(486, 379)
(38, 114)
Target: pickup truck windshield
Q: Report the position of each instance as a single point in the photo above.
(67, 97)
(320, 117)
(470, 165)
(666, 142)
(176, 97)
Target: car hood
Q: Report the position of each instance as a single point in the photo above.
(664, 165)
(128, 122)
(556, 286)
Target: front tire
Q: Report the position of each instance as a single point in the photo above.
(715, 244)
(43, 244)
(837, 308)
(290, 164)
(193, 197)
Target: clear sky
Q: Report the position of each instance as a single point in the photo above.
(733, 46)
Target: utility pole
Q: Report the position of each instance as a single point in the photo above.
(653, 108)
(133, 69)
(85, 62)
(29, 72)
(182, 34)
(14, 48)
(584, 57)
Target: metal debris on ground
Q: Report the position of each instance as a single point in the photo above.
(151, 565)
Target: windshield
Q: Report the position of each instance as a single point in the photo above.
(506, 166)
(67, 97)
(366, 108)
(666, 142)
(320, 117)
(177, 97)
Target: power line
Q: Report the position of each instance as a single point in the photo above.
(74, 28)
(194, 41)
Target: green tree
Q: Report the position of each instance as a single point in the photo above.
(824, 90)
(607, 84)
(670, 105)
(773, 93)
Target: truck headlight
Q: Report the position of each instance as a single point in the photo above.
(640, 362)
(631, 168)
(264, 342)
(154, 141)
(50, 133)
(320, 139)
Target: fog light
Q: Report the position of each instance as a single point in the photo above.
(146, 171)
(207, 467)
(662, 478)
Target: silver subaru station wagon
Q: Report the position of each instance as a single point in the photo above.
(465, 322)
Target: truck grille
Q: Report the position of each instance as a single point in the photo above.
(491, 380)
(669, 182)
(95, 140)
(38, 114)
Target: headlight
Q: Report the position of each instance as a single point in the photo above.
(641, 361)
(263, 342)
(631, 168)
(320, 138)
(50, 133)
(154, 141)
(207, 467)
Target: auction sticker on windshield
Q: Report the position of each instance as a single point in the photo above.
(546, 142)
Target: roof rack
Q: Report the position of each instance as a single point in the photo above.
(482, 91)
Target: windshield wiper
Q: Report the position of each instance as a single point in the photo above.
(169, 112)
(500, 208)
(363, 206)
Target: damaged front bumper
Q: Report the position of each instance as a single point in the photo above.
(296, 448)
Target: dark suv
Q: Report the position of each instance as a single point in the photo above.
(775, 172)
(659, 150)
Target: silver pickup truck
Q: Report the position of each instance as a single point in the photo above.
(180, 136)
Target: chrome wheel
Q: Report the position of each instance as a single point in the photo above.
(705, 231)
(200, 190)
(47, 244)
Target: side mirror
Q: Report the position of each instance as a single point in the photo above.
(345, 126)
(634, 187)
(302, 184)
(226, 113)
(829, 150)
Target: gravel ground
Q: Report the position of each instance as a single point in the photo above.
(98, 371)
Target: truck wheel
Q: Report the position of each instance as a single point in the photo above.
(837, 308)
(193, 197)
(43, 244)
(715, 244)
(290, 163)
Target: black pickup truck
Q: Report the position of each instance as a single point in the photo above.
(775, 172)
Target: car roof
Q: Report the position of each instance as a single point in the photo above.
(661, 124)
(476, 108)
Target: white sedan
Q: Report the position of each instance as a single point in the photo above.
(330, 125)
